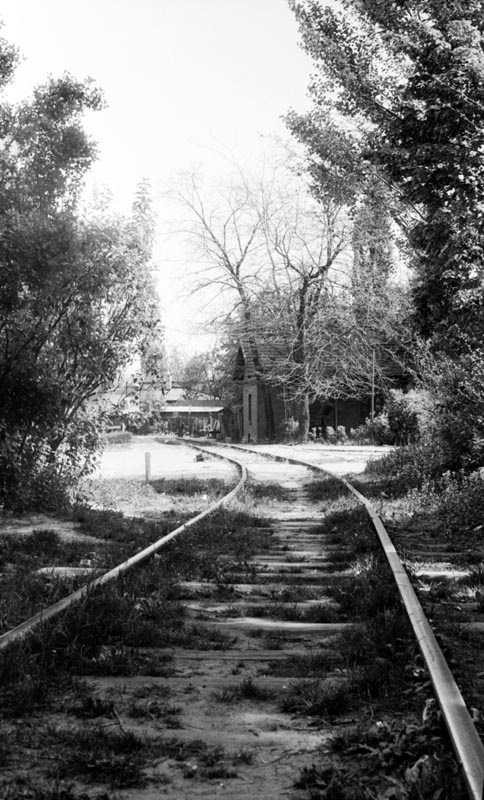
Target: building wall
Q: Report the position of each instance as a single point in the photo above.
(250, 413)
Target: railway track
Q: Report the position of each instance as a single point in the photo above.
(264, 684)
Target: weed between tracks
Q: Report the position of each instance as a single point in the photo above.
(114, 629)
(389, 761)
(268, 491)
(324, 489)
(317, 612)
(394, 751)
(124, 628)
(246, 690)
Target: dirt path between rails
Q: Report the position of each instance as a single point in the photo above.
(231, 699)
(220, 713)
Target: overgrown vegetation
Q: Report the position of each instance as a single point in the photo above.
(400, 760)
(26, 789)
(112, 630)
(370, 668)
(248, 689)
(213, 487)
(268, 491)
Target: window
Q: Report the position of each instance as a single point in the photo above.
(250, 409)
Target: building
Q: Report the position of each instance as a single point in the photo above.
(196, 418)
(266, 413)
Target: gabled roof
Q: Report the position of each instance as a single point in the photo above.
(174, 395)
(269, 357)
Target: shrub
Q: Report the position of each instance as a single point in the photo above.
(460, 501)
(376, 430)
(401, 421)
(39, 472)
(407, 468)
(459, 391)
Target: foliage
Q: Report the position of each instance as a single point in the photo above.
(405, 468)
(456, 500)
(442, 419)
(74, 295)
(410, 77)
(210, 373)
(401, 760)
(407, 79)
(457, 391)
(397, 423)
(307, 324)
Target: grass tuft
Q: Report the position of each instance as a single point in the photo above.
(320, 697)
(103, 755)
(246, 690)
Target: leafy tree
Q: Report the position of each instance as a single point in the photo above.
(74, 293)
(405, 80)
(210, 373)
(410, 77)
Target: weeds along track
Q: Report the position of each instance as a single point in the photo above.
(265, 650)
(465, 738)
(141, 556)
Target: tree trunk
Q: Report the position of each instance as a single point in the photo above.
(303, 419)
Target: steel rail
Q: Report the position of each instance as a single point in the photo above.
(28, 625)
(464, 736)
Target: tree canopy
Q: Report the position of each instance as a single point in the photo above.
(410, 78)
(75, 289)
(307, 282)
(404, 83)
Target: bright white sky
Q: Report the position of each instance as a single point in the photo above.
(187, 83)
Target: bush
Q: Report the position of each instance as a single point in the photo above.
(458, 388)
(41, 471)
(407, 468)
(460, 502)
(376, 430)
(399, 423)
(403, 419)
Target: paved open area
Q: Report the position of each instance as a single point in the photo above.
(174, 458)
(171, 460)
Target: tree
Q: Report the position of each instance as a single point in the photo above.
(74, 294)
(210, 373)
(229, 240)
(286, 257)
(305, 241)
(410, 77)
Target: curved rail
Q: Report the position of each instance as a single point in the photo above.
(465, 739)
(47, 613)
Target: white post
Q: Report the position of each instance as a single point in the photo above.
(148, 467)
